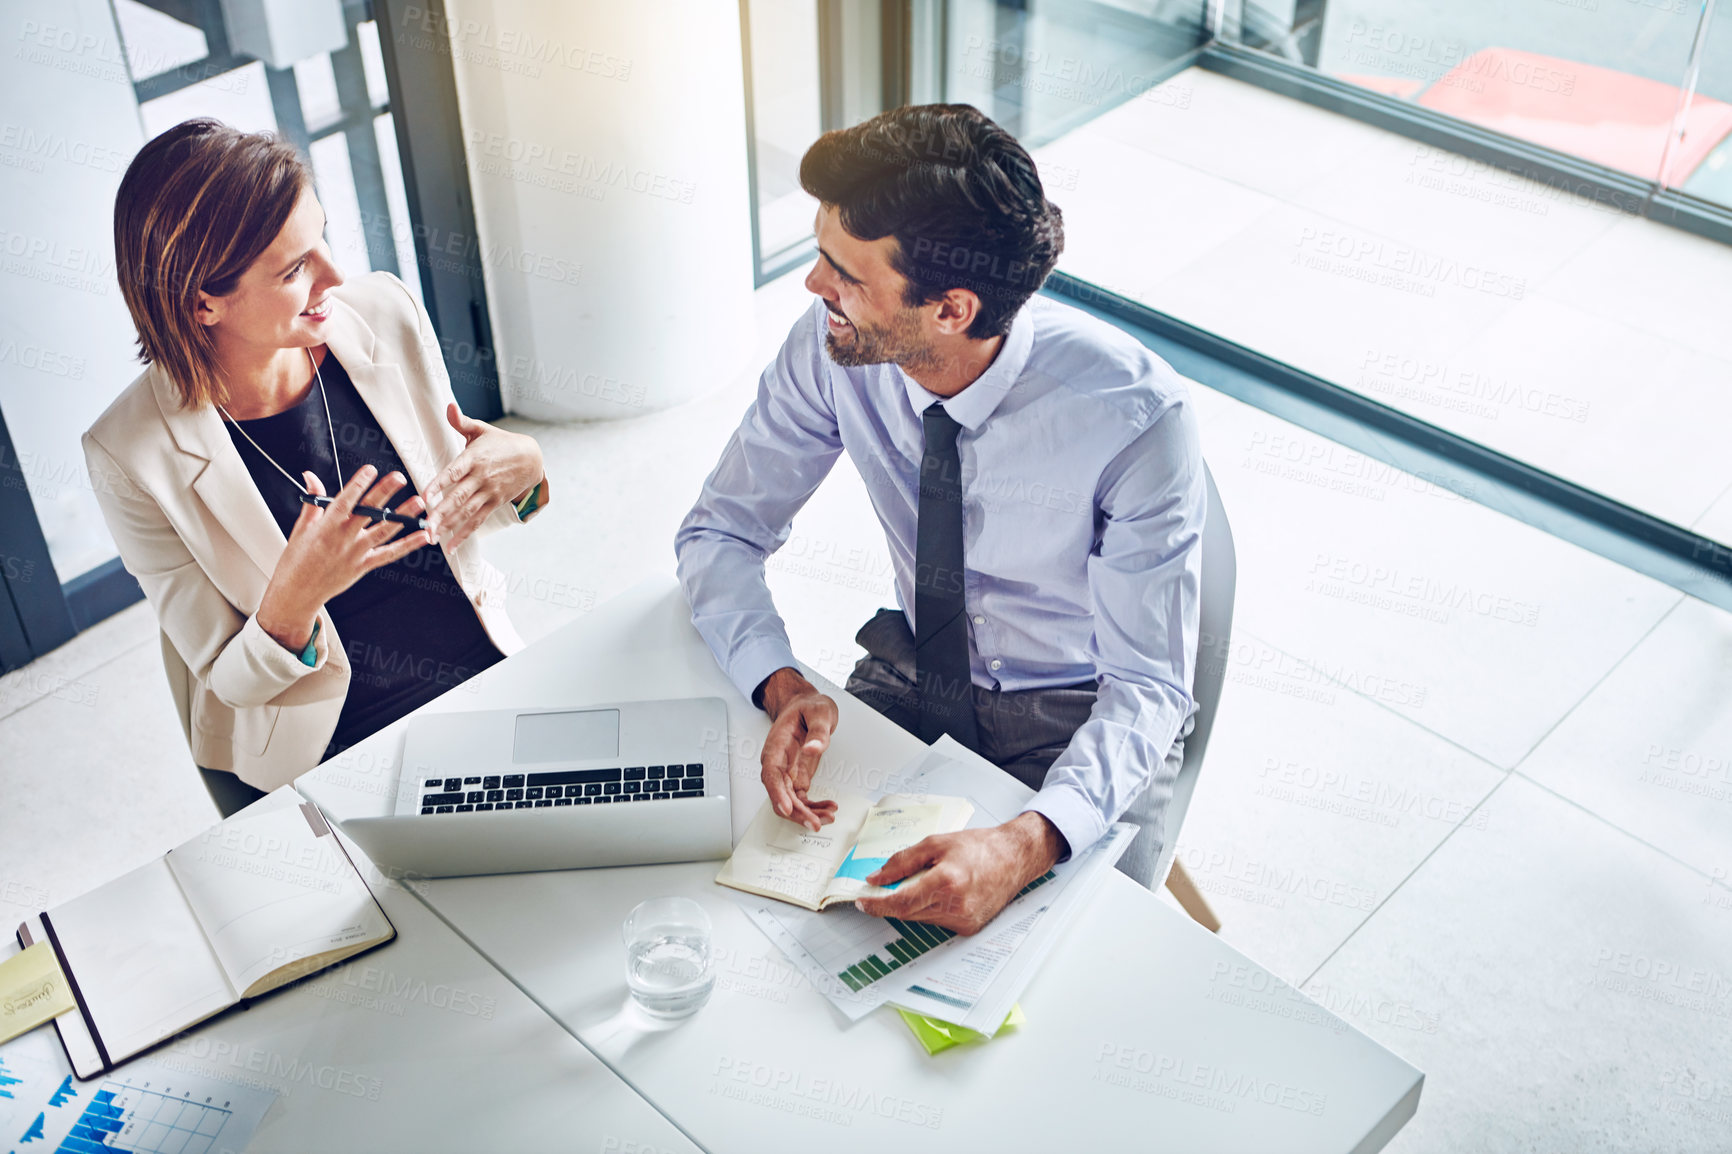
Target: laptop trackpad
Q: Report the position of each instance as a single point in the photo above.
(577, 735)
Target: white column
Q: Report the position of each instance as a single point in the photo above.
(606, 144)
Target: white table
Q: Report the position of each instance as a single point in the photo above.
(419, 1045)
(1143, 1028)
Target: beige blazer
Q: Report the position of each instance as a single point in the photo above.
(194, 531)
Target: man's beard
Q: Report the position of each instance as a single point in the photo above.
(900, 342)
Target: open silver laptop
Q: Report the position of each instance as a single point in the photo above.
(514, 790)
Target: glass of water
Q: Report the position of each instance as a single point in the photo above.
(667, 956)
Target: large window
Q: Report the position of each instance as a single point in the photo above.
(1038, 67)
(1043, 68)
(331, 103)
(1502, 222)
(781, 39)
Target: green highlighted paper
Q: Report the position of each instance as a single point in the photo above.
(936, 1035)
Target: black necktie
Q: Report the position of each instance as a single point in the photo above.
(940, 615)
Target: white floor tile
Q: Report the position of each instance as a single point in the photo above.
(1561, 986)
(1332, 297)
(1235, 131)
(1650, 750)
(97, 783)
(1314, 803)
(1655, 277)
(58, 672)
(1440, 201)
(1591, 398)
(1120, 205)
(1348, 564)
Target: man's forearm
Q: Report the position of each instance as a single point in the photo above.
(1039, 844)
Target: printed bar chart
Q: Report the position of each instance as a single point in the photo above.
(125, 1118)
(913, 939)
(143, 1109)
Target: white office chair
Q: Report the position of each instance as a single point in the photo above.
(1215, 627)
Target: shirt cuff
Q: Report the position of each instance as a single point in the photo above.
(254, 667)
(756, 660)
(1077, 819)
(532, 501)
(310, 655)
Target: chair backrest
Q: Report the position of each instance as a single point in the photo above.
(1215, 626)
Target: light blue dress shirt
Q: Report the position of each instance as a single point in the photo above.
(1083, 503)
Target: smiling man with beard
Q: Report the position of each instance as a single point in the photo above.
(1039, 481)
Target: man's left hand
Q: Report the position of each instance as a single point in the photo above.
(970, 875)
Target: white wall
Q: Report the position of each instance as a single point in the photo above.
(607, 155)
(69, 125)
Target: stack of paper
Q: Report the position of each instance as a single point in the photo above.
(861, 962)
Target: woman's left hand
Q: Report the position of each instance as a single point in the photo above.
(496, 467)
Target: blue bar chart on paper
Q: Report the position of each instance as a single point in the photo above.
(141, 1109)
(140, 1121)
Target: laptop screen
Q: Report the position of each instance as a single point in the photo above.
(577, 735)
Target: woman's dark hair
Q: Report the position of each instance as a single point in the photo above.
(959, 194)
(196, 207)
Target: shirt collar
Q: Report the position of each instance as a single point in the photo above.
(973, 405)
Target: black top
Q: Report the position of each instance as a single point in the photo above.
(408, 629)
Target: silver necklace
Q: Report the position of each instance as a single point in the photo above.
(332, 425)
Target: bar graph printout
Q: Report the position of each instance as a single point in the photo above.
(141, 1108)
(861, 962)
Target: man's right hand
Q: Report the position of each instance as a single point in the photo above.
(801, 721)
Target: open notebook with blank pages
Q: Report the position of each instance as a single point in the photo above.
(253, 903)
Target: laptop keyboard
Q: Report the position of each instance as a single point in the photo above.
(561, 787)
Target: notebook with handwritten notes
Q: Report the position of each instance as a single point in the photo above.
(784, 860)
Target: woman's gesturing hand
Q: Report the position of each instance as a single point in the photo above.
(330, 549)
(495, 467)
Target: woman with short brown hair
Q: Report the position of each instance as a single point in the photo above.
(245, 474)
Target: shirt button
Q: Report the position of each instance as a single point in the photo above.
(996, 664)
(979, 620)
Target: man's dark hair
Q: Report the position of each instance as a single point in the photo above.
(959, 194)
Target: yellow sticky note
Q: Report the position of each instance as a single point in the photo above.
(32, 991)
